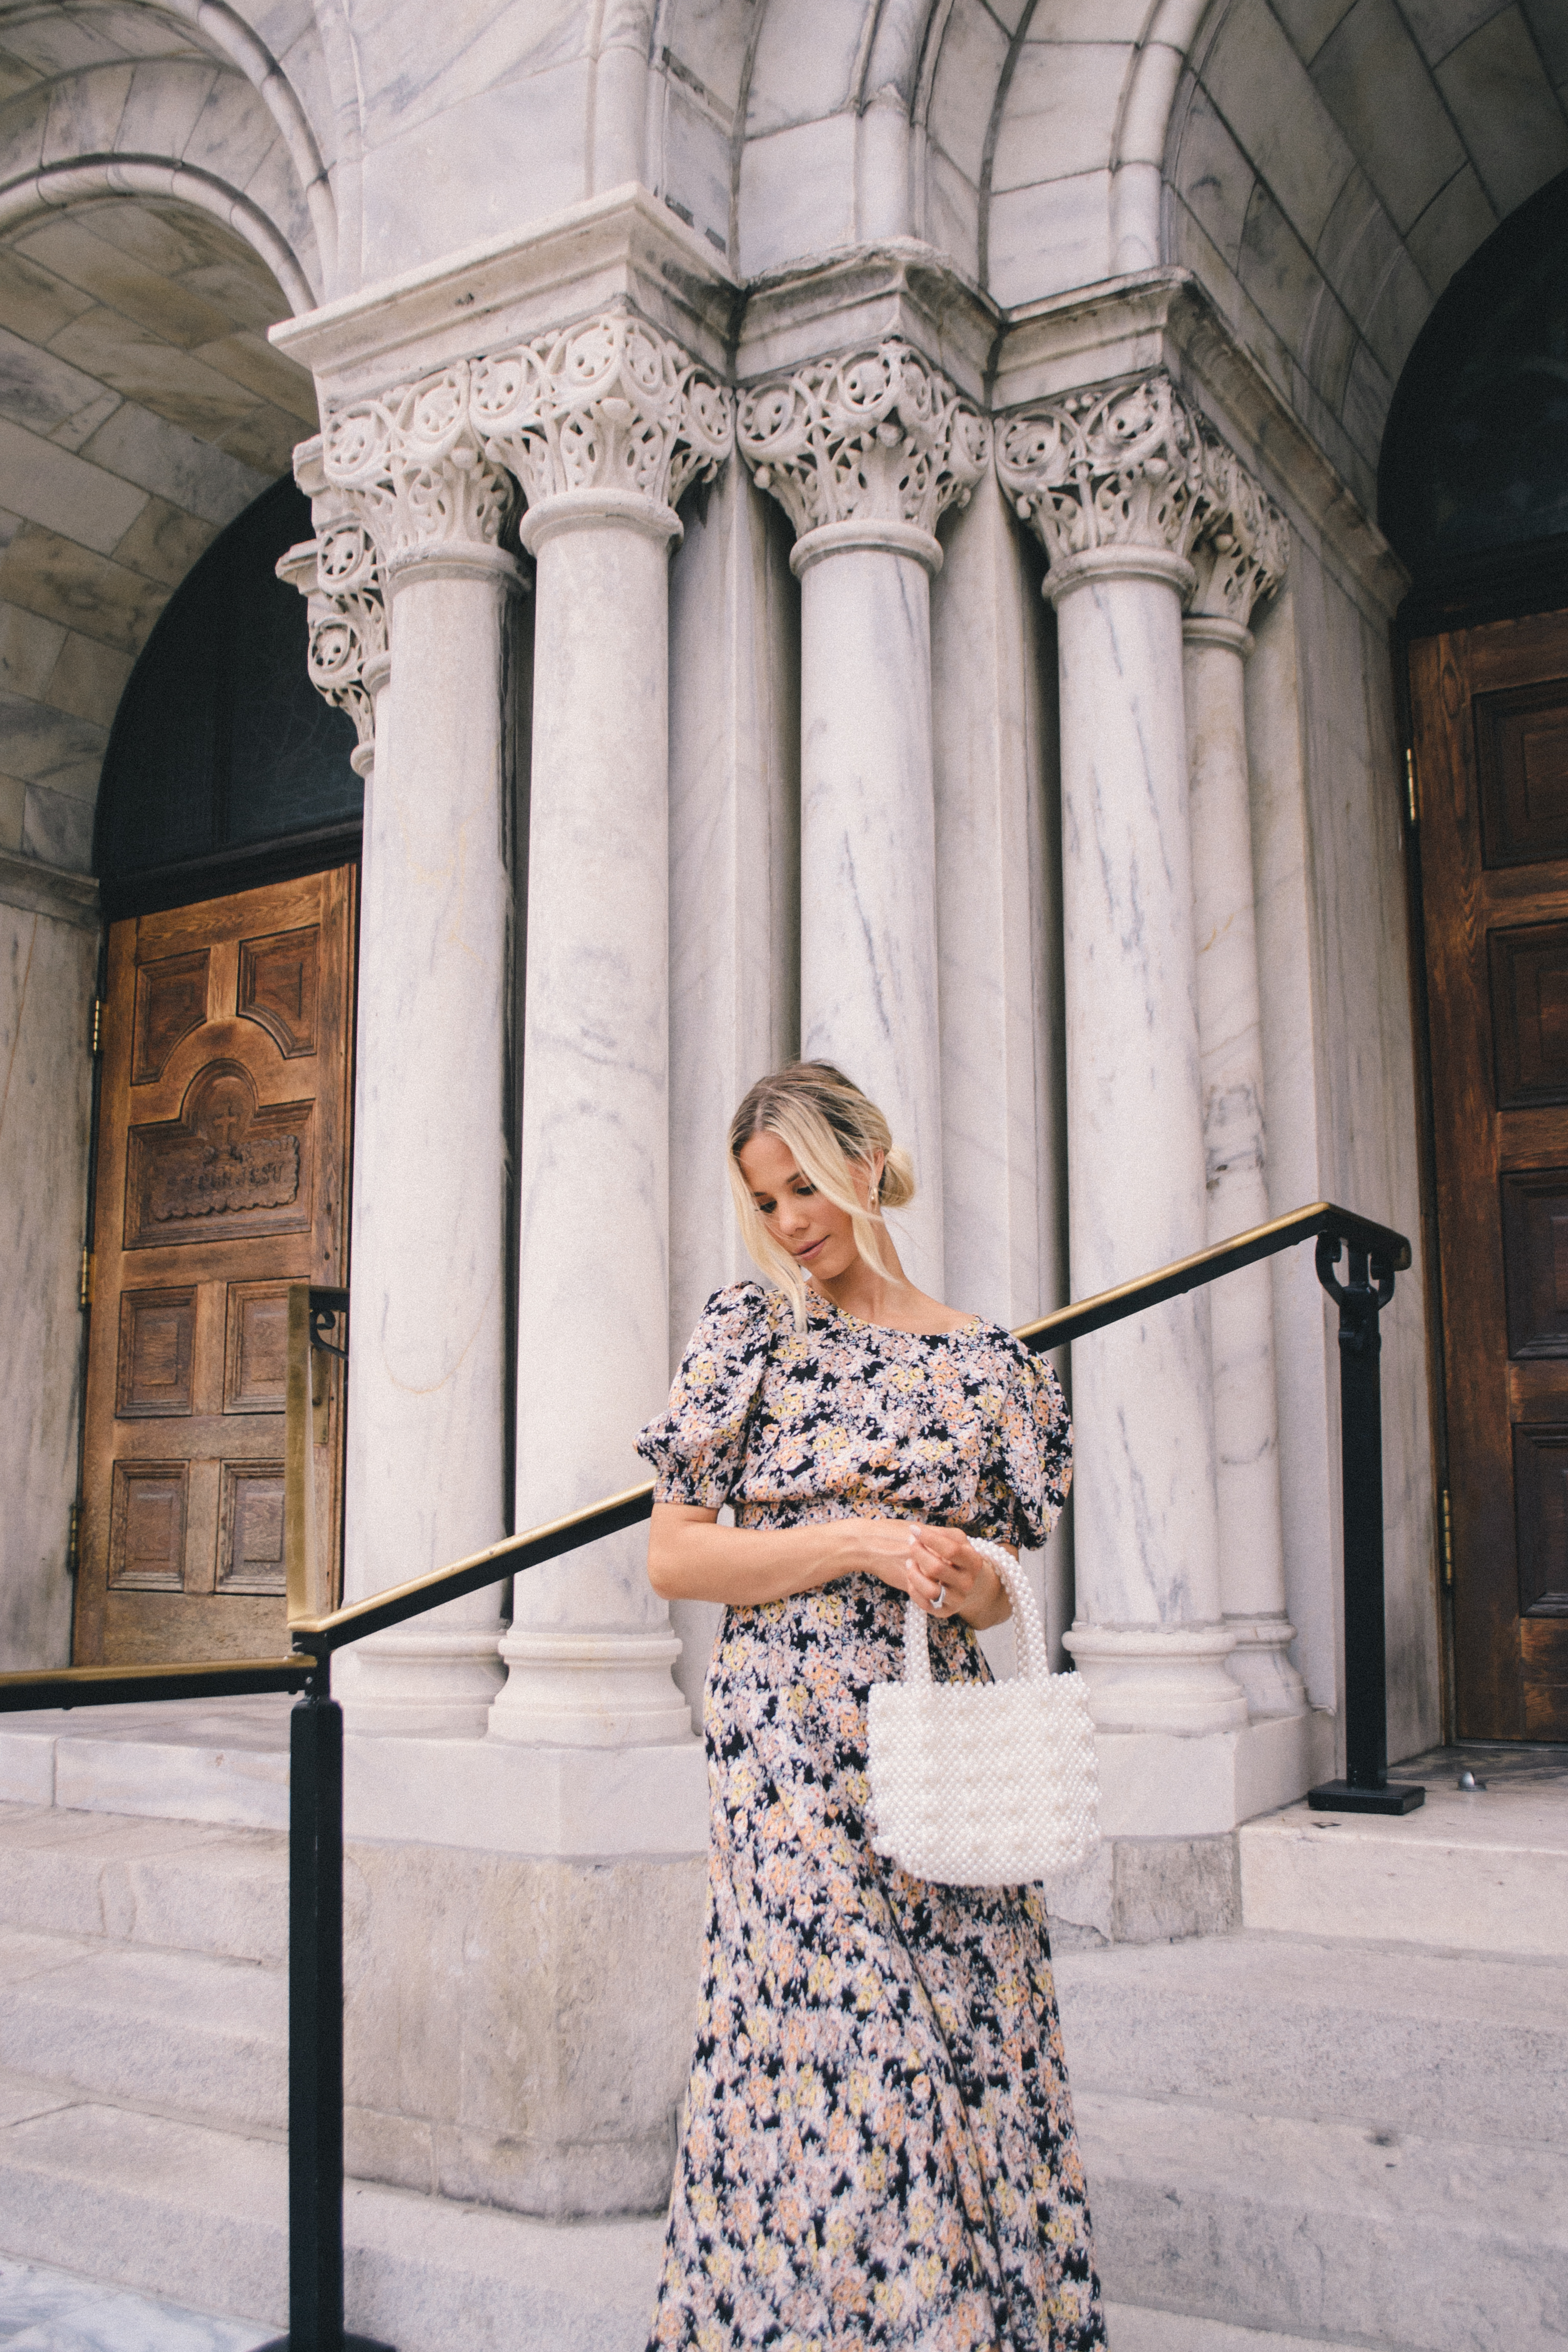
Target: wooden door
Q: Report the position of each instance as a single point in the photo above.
(1490, 712)
(222, 1177)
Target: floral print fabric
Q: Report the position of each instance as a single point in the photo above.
(878, 2145)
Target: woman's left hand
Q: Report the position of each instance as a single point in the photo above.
(950, 1579)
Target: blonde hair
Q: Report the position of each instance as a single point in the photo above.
(832, 1130)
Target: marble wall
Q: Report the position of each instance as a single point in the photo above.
(1341, 1087)
(49, 963)
(734, 889)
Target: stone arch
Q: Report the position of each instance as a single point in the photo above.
(153, 227)
(133, 97)
(1328, 170)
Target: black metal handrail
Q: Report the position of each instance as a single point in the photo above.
(1375, 1254)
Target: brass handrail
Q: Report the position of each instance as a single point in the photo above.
(322, 1632)
(68, 1687)
(594, 1520)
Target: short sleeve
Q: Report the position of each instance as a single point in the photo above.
(1036, 1447)
(697, 1443)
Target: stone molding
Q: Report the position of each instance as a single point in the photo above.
(339, 574)
(1097, 470)
(608, 404)
(1242, 545)
(875, 434)
(38, 888)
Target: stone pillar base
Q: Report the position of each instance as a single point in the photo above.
(1159, 1784)
(590, 1690)
(1260, 1662)
(555, 2003)
(425, 1685)
(1156, 1678)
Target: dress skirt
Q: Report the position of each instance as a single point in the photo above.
(877, 2145)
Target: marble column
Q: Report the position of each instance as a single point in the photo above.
(604, 425)
(1239, 555)
(1110, 482)
(427, 1469)
(865, 452)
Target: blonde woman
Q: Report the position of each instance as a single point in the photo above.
(878, 2145)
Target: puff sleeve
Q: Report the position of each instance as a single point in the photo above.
(1036, 1447)
(697, 1444)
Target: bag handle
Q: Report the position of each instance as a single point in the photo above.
(1033, 1658)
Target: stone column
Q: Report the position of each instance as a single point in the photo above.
(604, 425)
(1239, 555)
(865, 452)
(1110, 482)
(428, 1404)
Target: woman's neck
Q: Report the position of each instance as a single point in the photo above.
(891, 1299)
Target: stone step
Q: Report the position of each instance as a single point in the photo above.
(1437, 2045)
(1327, 2230)
(172, 2032)
(1481, 1872)
(182, 1885)
(1296, 2235)
(199, 2216)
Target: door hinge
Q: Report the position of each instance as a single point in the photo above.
(84, 1280)
(1412, 803)
(1448, 1542)
(73, 1540)
(95, 1029)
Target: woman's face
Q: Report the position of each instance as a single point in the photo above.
(818, 1236)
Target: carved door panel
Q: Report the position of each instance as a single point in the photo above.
(222, 1177)
(1490, 708)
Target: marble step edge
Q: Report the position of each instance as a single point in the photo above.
(177, 1885)
(199, 2215)
(1145, 2327)
(1326, 2230)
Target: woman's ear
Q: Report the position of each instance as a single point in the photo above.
(872, 1179)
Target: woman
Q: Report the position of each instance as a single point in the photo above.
(878, 2145)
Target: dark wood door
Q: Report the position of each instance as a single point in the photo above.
(222, 1177)
(1490, 713)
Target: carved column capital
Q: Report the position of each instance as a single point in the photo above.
(427, 488)
(609, 410)
(874, 438)
(1242, 543)
(1098, 471)
(339, 574)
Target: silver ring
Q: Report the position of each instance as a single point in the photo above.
(941, 1596)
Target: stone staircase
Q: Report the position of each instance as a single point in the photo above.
(1292, 2137)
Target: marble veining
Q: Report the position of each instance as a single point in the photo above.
(1146, 1538)
(867, 932)
(48, 2310)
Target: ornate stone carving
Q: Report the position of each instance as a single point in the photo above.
(339, 574)
(423, 483)
(1242, 543)
(1120, 468)
(873, 435)
(608, 404)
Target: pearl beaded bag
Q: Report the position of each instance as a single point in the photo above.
(984, 1784)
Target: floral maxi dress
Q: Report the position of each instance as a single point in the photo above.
(877, 2145)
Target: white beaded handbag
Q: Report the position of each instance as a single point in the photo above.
(984, 1784)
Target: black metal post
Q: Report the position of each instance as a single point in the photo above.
(1360, 1299)
(316, 2026)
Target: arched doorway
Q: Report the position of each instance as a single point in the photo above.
(226, 843)
(1473, 492)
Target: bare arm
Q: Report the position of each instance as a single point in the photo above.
(691, 1558)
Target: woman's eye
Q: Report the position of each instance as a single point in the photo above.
(805, 1191)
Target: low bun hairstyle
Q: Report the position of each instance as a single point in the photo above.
(832, 1131)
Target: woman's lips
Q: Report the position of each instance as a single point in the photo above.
(802, 1255)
